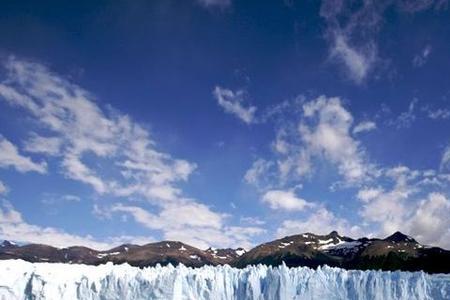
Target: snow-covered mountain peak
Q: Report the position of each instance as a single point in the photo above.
(8, 244)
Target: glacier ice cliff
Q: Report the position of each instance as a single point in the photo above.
(24, 280)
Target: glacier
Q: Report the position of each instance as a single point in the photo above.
(24, 280)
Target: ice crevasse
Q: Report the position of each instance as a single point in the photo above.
(24, 280)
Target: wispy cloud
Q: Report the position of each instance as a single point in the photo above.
(75, 127)
(352, 35)
(364, 126)
(420, 59)
(352, 29)
(51, 199)
(420, 5)
(358, 61)
(10, 157)
(69, 113)
(233, 103)
(260, 173)
(215, 3)
(406, 118)
(438, 114)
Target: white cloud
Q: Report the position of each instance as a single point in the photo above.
(426, 220)
(285, 200)
(13, 227)
(321, 221)
(45, 145)
(232, 102)
(431, 223)
(421, 58)
(189, 214)
(240, 236)
(364, 126)
(194, 224)
(259, 173)
(388, 195)
(326, 133)
(281, 145)
(215, 3)
(77, 170)
(229, 237)
(10, 157)
(403, 206)
(368, 194)
(388, 208)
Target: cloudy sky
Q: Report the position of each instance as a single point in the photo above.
(223, 122)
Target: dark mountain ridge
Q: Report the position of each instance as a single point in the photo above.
(396, 252)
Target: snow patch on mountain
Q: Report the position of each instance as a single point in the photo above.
(240, 252)
(340, 245)
(101, 255)
(284, 245)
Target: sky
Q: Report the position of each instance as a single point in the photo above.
(223, 123)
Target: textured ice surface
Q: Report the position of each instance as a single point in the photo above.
(23, 280)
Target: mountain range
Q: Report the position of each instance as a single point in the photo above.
(396, 252)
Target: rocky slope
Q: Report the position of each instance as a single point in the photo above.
(141, 256)
(396, 252)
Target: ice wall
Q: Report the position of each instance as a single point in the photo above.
(23, 280)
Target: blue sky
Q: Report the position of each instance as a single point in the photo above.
(222, 122)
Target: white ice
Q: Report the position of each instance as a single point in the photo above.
(24, 280)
